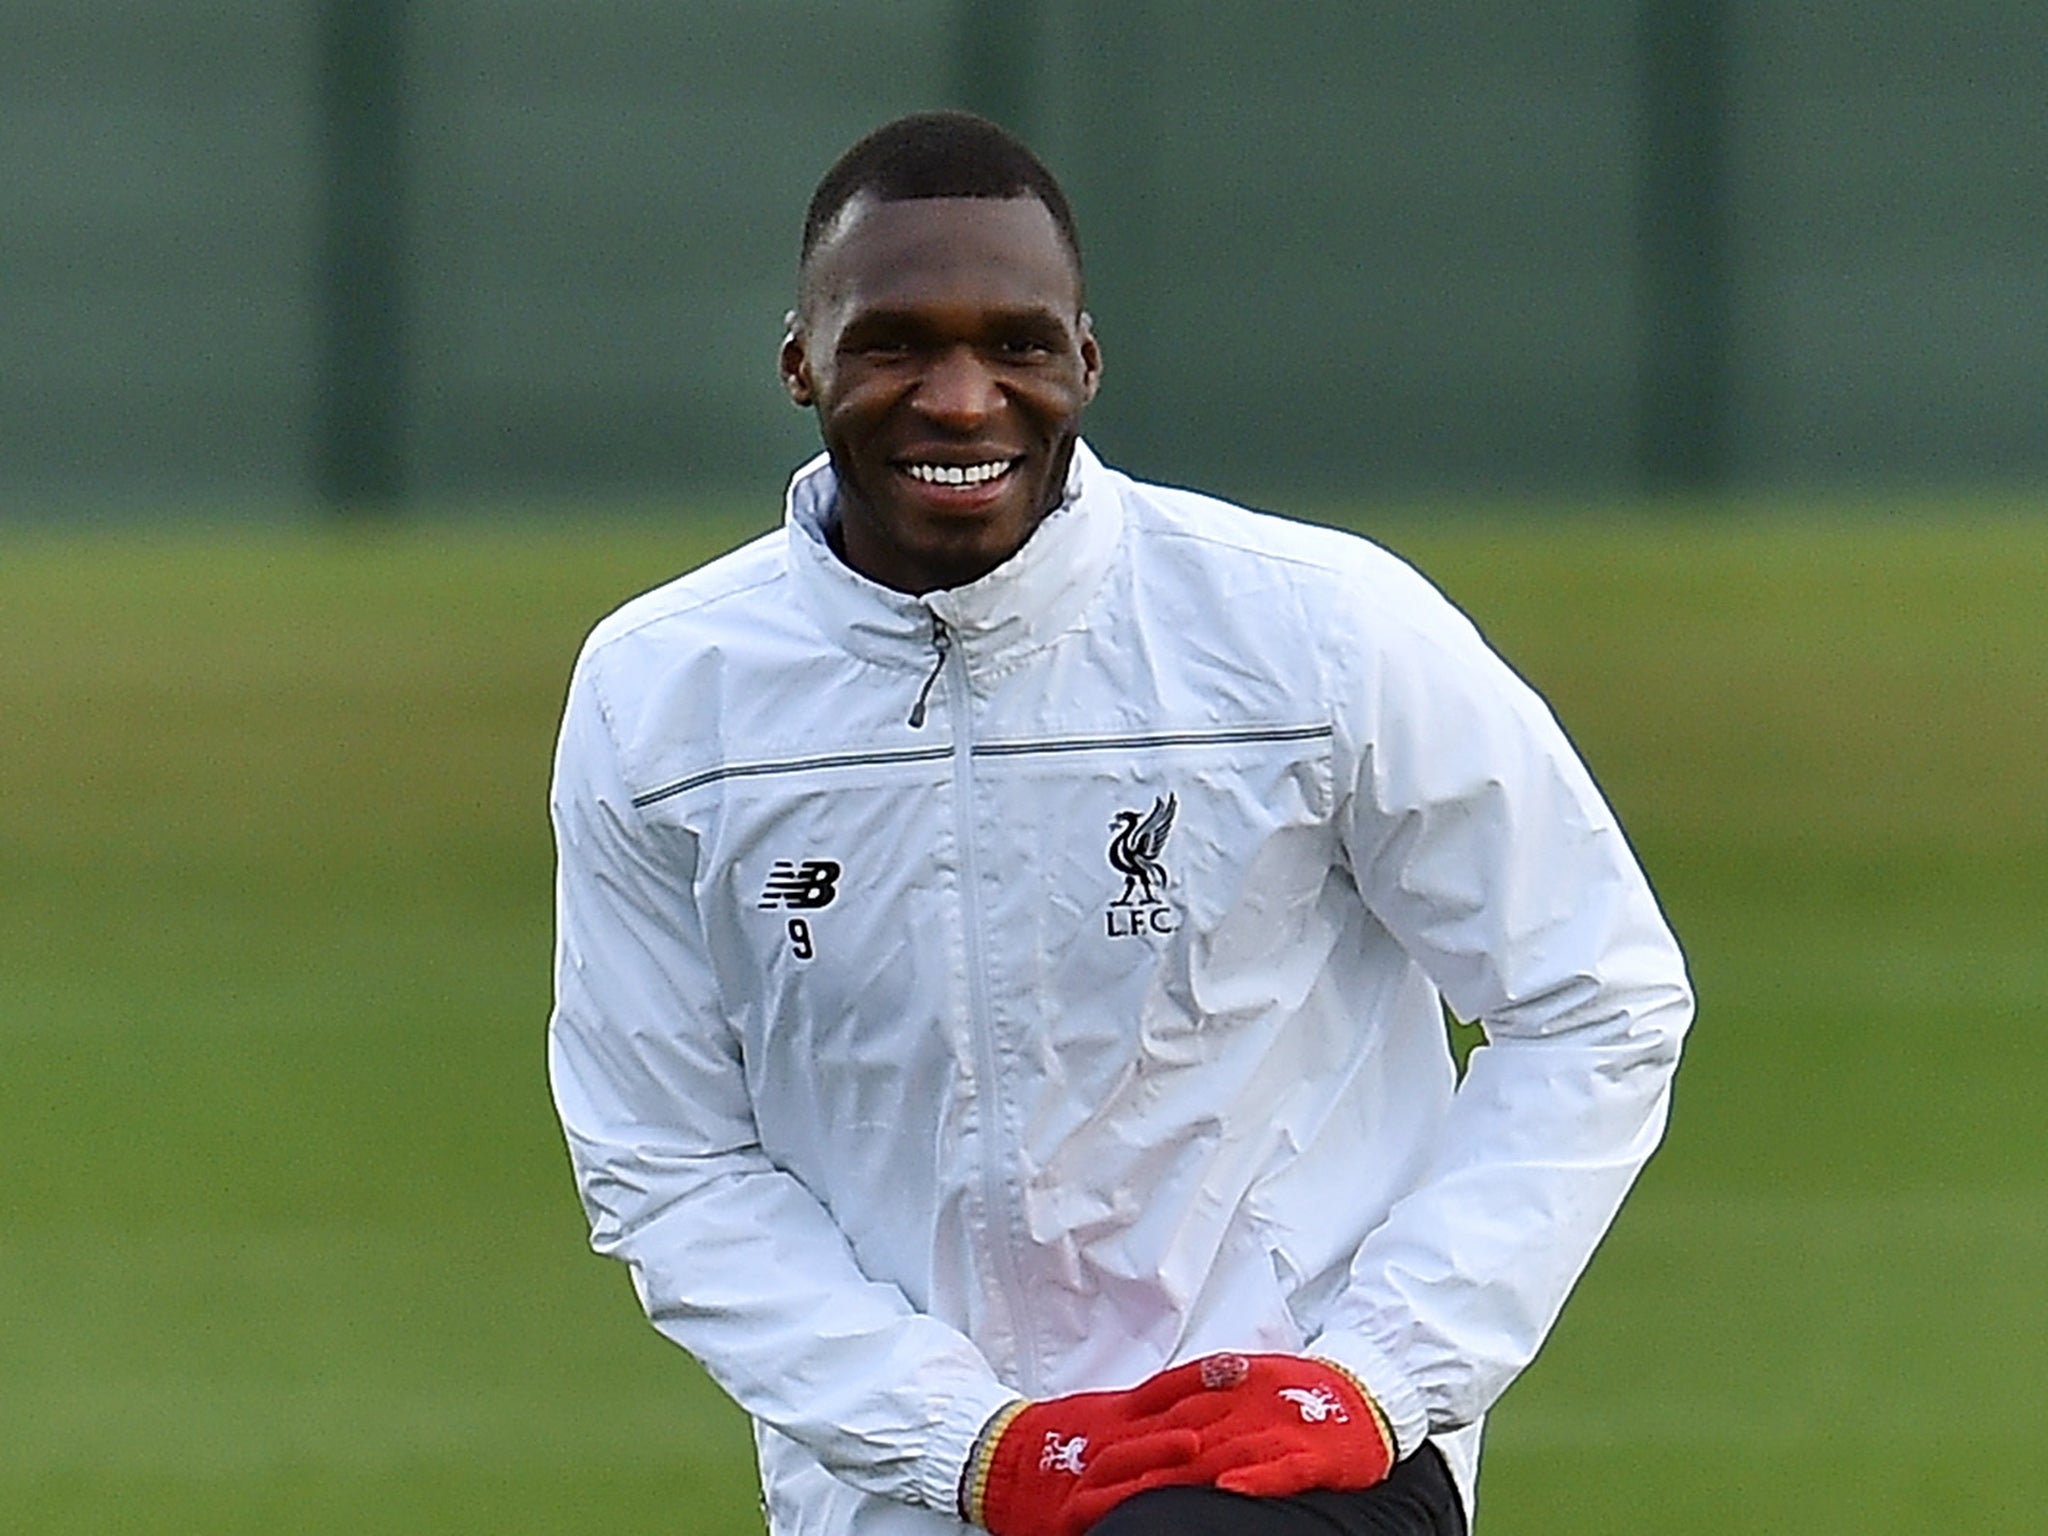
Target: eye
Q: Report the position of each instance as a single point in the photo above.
(876, 340)
(1023, 348)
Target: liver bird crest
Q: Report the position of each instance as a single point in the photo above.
(1135, 847)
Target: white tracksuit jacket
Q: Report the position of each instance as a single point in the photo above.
(1091, 1023)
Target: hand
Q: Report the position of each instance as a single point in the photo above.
(1272, 1425)
(1264, 1425)
(1054, 1468)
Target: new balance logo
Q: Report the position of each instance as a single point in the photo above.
(1316, 1404)
(1063, 1455)
(805, 886)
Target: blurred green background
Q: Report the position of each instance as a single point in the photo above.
(259, 251)
(356, 355)
(287, 1238)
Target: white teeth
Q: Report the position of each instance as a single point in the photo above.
(956, 474)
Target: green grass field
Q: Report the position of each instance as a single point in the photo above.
(287, 1239)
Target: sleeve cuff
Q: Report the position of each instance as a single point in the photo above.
(1397, 1397)
(945, 1459)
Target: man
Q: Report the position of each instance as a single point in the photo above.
(1005, 922)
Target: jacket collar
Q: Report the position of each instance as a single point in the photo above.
(1022, 605)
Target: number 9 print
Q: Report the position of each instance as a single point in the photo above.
(807, 885)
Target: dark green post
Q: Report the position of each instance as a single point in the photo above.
(359, 454)
(1683, 409)
(1116, 181)
(996, 57)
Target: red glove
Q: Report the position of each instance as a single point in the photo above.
(1054, 1468)
(1271, 1425)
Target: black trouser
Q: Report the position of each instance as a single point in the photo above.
(1419, 1499)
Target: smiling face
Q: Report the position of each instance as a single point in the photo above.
(942, 344)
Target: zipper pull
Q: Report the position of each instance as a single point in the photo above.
(942, 641)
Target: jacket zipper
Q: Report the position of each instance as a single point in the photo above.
(999, 1213)
(942, 642)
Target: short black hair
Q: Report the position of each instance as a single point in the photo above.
(937, 154)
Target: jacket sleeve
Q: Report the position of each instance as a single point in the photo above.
(732, 1257)
(1479, 840)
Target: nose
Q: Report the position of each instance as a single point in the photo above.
(958, 389)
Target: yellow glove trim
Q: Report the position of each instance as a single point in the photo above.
(974, 1476)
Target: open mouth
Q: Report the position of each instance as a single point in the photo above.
(959, 474)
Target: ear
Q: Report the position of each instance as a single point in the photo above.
(794, 363)
(1091, 358)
